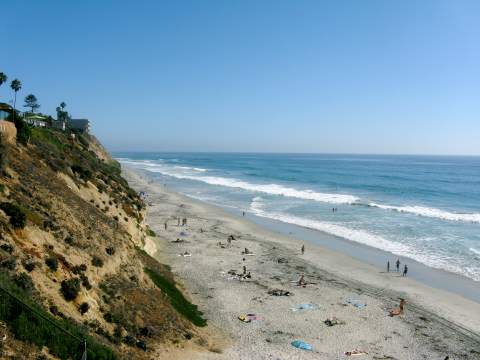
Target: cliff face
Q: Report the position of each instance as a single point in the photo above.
(78, 251)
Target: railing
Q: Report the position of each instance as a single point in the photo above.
(11, 304)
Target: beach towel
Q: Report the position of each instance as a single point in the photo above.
(307, 306)
(299, 344)
(355, 302)
(185, 255)
(250, 318)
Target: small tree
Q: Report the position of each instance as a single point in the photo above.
(16, 85)
(61, 113)
(31, 102)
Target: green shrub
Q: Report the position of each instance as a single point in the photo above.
(9, 263)
(96, 261)
(70, 288)
(18, 217)
(83, 308)
(7, 247)
(24, 132)
(42, 329)
(177, 300)
(29, 265)
(52, 263)
(85, 282)
(24, 282)
(150, 232)
(85, 174)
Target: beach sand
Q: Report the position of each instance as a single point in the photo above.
(435, 324)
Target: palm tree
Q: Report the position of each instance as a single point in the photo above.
(16, 85)
(3, 78)
(63, 105)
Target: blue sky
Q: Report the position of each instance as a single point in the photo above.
(276, 76)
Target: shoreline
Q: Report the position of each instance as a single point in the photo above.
(429, 276)
(334, 273)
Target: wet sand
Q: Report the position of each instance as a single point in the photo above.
(436, 323)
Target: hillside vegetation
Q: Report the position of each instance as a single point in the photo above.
(71, 234)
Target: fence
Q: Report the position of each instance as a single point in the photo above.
(29, 324)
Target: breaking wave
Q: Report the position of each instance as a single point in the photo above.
(430, 212)
(438, 261)
(271, 189)
(193, 173)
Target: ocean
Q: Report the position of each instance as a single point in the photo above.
(425, 208)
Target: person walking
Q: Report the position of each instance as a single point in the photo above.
(388, 266)
(303, 249)
(165, 225)
(405, 270)
(398, 265)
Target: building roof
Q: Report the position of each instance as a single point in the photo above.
(4, 106)
(35, 117)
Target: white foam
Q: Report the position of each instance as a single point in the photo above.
(475, 251)
(431, 212)
(272, 189)
(191, 168)
(359, 236)
(438, 261)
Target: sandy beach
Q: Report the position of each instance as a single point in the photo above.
(435, 323)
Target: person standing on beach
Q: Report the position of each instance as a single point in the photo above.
(388, 266)
(398, 265)
(166, 225)
(405, 270)
(303, 249)
(243, 214)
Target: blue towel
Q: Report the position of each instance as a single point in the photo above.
(302, 345)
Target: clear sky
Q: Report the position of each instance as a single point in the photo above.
(282, 76)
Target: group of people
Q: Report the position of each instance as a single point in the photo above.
(184, 223)
(397, 265)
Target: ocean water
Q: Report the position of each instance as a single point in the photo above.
(422, 207)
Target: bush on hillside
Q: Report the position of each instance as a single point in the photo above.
(83, 308)
(96, 261)
(7, 247)
(24, 132)
(29, 265)
(18, 217)
(85, 174)
(52, 263)
(24, 282)
(70, 289)
(42, 329)
(176, 298)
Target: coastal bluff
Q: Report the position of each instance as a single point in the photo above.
(75, 277)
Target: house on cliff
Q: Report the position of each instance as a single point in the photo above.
(36, 120)
(5, 111)
(81, 125)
